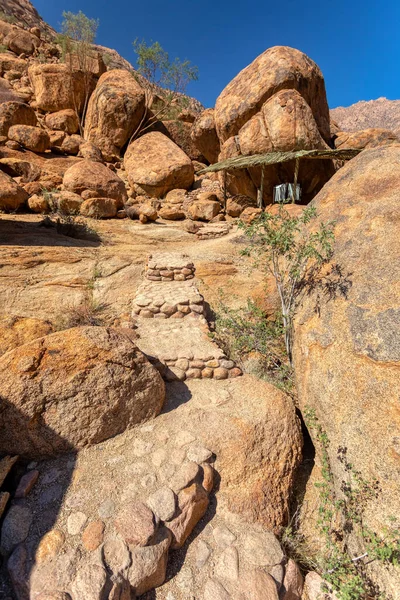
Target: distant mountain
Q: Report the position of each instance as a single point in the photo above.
(381, 113)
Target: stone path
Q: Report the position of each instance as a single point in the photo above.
(173, 332)
(109, 521)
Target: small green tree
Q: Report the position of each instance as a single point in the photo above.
(283, 246)
(78, 35)
(162, 77)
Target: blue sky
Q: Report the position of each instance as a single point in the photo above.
(356, 43)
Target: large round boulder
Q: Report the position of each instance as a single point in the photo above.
(156, 165)
(347, 342)
(89, 175)
(115, 110)
(284, 123)
(72, 389)
(277, 68)
(204, 135)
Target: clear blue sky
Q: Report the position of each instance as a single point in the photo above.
(356, 43)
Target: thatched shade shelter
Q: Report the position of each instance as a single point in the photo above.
(272, 158)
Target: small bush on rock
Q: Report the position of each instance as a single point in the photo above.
(283, 246)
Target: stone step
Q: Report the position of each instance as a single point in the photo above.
(164, 266)
(182, 349)
(176, 299)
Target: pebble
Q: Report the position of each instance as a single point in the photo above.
(202, 554)
(198, 454)
(136, 523)
(93, 535)
(26, 484)
(163, 503)
(15, 528)
(106, 509)
(76, 522)
(49, 546)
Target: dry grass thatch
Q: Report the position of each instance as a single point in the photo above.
(271, 158)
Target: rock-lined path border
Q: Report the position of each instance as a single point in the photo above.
(170, 316)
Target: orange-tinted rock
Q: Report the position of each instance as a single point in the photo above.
(32, 138)
(12, 196)
(277, 68)
(204, 135)
(74, 388)
(63, 120)
(115, 110)
(193, 503)
(15, 113)
(93, 535)
(157, 165)
(347, 353)
(89, 175)
(99, 208)
(56, 88)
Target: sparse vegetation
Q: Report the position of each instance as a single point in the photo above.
(3, 48)
(249, 331)
(78, 34)
(8, 18)
(338, 519)
(283, 247)
(87, 312)
(162, 77)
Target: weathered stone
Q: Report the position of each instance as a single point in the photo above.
(163, 503)
(38, 204)
(353, 341)
(116, 554)
(221, 373)
(99, 208)
(15, 113)
(115, 110)
(198, 454)
(213, 590)
(227, 565)
(18, 571)
(26, 484)
(223, 536)
(203, 210)
(63, 120)
(205, 137)
(92, 537)
(208, 477)
(258, 585)
(192, 503)
(89, 175)
(188, 473)
(277, 68)
(149, 563)
(49, 546)
(70, 367)
(157, 165)
(90, 582)
(12, 196)
(56, 88)
(136, 523)
(15, 528)
(315, 588)
(76, 522)
(292, 587)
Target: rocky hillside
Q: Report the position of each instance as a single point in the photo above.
(143, 452)
(381, 113)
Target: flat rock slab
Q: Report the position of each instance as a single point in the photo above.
(169, 260)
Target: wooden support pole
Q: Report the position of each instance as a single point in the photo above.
(224, 190)
(260, 191)
(296, 176)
